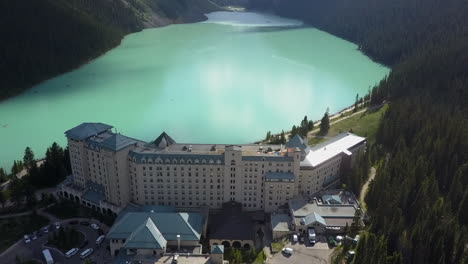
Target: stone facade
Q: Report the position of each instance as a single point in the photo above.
(163, 172)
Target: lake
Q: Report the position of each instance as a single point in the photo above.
(227, 80)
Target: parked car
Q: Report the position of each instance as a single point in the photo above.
(294, 238)
(57, 225)
(288, 251)
(301, 239)
(45, 229)
(26, 239)
(312, 235)
(33, 237)
(84, 223)
(94, 226)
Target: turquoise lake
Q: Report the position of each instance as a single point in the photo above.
(227, 80)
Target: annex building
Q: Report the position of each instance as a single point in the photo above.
(110, 171)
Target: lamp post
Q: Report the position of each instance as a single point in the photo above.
(178, 242)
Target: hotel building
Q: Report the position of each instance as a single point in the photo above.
(110, 170)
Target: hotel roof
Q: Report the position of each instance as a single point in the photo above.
(170, 224)
(111, 141)
(86, 130)
(302, 208)
(335, 146)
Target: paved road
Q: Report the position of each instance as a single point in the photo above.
(34, 249)
(305, 253)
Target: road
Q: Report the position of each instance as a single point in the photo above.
(305, 253)
(34, 249)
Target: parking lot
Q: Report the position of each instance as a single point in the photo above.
(319, 253)
(33, 250)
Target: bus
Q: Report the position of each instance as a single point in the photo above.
(47, 256)
(86, 253)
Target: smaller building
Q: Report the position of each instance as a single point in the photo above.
(280, 225)
(155, 231)
(232, 228)
(217, 254)
(327, 213)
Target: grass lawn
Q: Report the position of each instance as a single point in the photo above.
(277, 246)
(365, 124)
(14, 229)
(260, 258)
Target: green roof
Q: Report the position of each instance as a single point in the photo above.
(146, 236)
(86, 130)
(312, 218)
(217, 249)
(93, 196)
(170, 224)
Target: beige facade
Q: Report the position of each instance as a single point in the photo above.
(164, 172)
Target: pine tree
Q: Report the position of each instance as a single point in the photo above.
(28, 157)
(324, 124)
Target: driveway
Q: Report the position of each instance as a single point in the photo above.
(34, 249)
(305, 253)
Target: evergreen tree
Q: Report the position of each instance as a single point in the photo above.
(324, 124)
(2, 198)
(282, 138)
(28, 158)
(356, 104)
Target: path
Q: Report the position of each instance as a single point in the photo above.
(365, 187)
(310, 134)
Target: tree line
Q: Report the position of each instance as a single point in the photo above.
(42, 39)
(53, 170)
(418, 202)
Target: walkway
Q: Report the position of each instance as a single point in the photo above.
(365, 187)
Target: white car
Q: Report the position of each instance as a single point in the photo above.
(26, 239)
(294, 238)
(94, 226)
(288, 251)
(57, 225)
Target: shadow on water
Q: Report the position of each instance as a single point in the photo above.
(269, 29)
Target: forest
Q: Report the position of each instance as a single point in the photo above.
(418, 202)
(42, 39)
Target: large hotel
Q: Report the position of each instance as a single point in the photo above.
(111, 170)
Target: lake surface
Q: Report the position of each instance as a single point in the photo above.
(227, 80)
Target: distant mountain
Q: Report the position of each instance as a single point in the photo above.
(41, 39)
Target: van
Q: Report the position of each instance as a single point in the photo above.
(47, 256)
(100, 239)
(71, 252)
(311, 235)
(86, 253)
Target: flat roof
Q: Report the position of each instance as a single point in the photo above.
(331, 148)
(280, 222)
(302, 208)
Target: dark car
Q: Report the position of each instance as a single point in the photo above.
(84, 223)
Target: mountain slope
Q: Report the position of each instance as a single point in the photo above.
(418, 202)
(41, 39)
